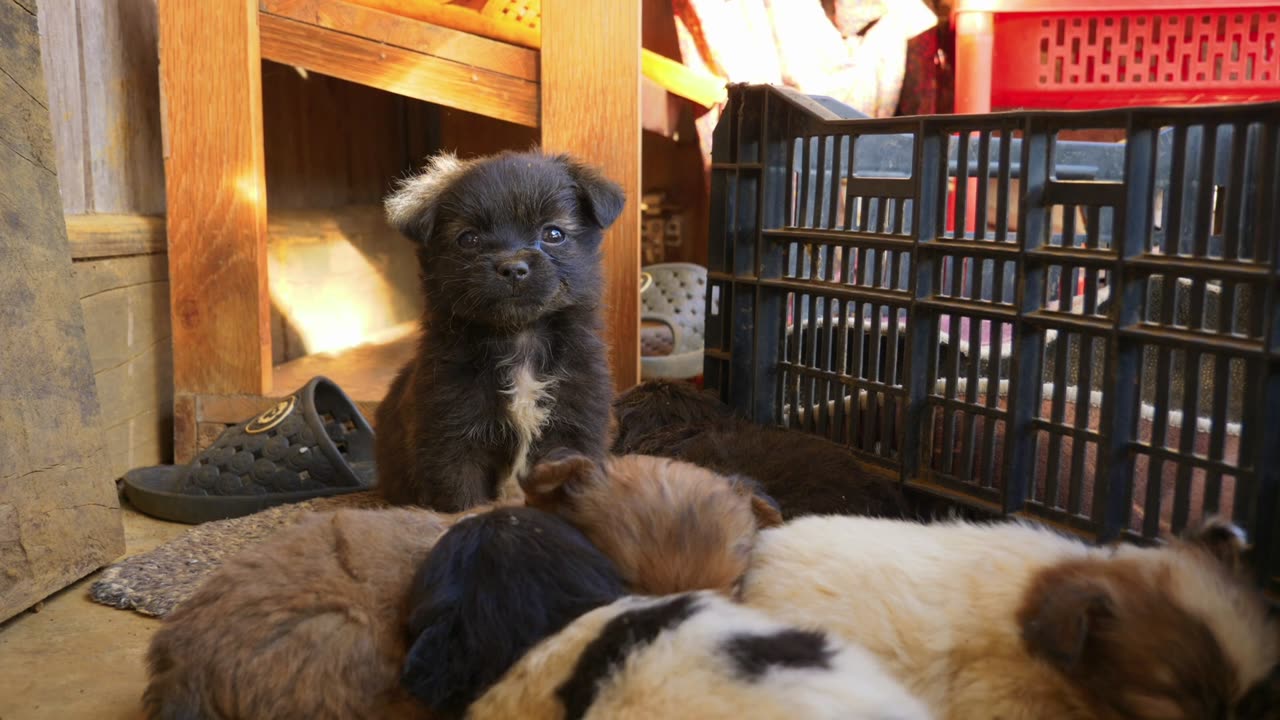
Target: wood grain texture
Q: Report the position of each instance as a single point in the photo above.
(328, 142)
(126, 311)
(99, 236)
(60, 44)
(184, 428)
(591, 108)
(122, 97)
(404, 72)
(410, 34)
(59, 515)
(210, 74)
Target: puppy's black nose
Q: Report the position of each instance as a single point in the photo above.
(514, 270)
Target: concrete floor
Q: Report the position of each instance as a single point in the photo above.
(74, 658)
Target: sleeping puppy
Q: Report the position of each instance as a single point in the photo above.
(497, 584)
(511, 359)
(669, 526)
(1015, 621)
(309, 624)
(491, 588)
(313, 622)
(694, 655)
(806, 474)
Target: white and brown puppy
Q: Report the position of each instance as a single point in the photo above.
(695, 655)
(1019, 622)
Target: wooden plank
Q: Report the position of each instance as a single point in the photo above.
(103, 275)
(60, 43)
(126, 310)
(184, 428)
(411, 34)
(210, 75)
(59, 514)
(703, 88)
(470, 16)
(99, 236)
(591, 108)
(122, 97)
(404, 72)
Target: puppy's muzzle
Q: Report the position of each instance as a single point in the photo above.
(513, 271)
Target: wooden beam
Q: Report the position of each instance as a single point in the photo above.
(122, 101)
(404, 72)
(211, 86)
(410, 34)
(59, 513)
(98, 236)
(591, 108)
(60, 50)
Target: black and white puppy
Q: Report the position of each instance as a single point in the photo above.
(511, 360)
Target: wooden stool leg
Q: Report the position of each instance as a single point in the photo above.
(211, 105)
(591, 108)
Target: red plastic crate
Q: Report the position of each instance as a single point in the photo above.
(1089, 54)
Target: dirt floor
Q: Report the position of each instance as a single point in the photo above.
(73, 658)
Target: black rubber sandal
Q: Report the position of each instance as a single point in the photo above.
(312, 444)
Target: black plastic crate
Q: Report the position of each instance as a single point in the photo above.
(1098, 346)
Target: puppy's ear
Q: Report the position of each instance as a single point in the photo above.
(411, 208)
(767, 511)
(428, 673)
(556, 475)
(1224, 540)
(1060, 616)
(601, 198)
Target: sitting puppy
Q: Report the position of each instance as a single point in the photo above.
(492, 587)
(804, 473)
(313, 623)
(1016, 621)
(694, 656)
(511, 359)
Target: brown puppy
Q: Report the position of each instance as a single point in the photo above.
(313, 623)
(669, 526)
(310, 624)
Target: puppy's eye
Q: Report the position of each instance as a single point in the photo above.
(552, 236)
(468, 240)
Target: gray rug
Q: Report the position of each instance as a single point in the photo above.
(154, 582)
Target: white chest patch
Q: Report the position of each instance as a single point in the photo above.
(528, 409)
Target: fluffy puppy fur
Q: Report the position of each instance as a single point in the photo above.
(310, 624)
(669, 526)
(694, 656)
(492, 587)
(1019, 622)
(656, 405)
(805, 473)
(313, 623)
(511, 359)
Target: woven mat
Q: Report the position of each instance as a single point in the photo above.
(154, 582)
